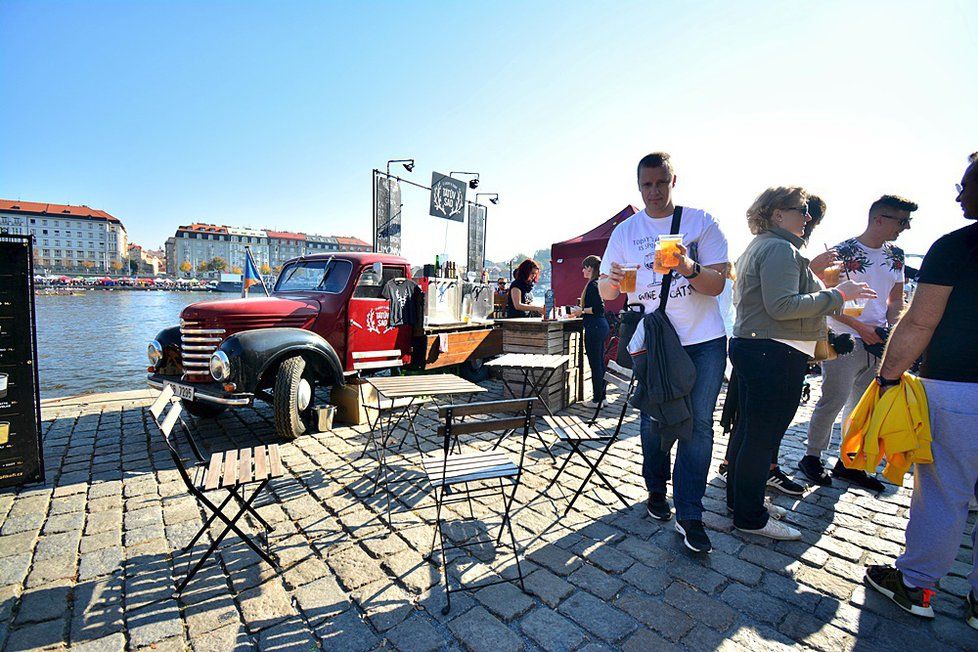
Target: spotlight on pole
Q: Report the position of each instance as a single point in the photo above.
(408, 164)
(493, 197)
(473, 183)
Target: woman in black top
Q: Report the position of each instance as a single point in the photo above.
(596, 326)
(520, 291)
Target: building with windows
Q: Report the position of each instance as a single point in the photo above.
(68, 238)
(198, 249)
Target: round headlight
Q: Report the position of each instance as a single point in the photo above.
(220, 366)
(154, 352)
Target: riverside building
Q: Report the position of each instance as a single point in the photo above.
(193, 249)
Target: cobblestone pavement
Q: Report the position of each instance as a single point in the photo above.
(87, 560)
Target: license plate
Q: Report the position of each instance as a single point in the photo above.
(181, 391)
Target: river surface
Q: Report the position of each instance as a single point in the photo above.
(96, 342)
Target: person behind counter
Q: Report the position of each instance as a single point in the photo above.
(596, 326)
(518, 302)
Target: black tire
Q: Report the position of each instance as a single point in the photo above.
(291, 419)
(203, 410)
(474, 371)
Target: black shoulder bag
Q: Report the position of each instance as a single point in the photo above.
(633, 313)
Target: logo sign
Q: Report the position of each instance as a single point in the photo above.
(447, 198)
(20, 414)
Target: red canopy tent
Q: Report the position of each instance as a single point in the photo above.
(568, 256)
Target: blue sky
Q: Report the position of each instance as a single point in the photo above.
(273, 114)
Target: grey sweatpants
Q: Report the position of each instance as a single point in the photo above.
(939, 507)
(843, 382)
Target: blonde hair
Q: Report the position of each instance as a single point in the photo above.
(760, 216)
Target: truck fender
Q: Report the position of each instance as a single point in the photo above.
(256, 354)
(169, 339)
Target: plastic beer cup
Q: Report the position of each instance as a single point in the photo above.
(831, 275)
(854, 307)
(665, 248)
(630, 278)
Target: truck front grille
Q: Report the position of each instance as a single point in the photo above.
(197, 343)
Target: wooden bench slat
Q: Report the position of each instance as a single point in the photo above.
(213, 477)
(487, 407)
(489, 425)
(261, 466)
(245, 472)
(275, 461)
(230, 469)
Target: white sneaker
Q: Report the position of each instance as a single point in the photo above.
(774, 511)
(775, 530)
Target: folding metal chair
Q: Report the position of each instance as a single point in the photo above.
(462, 468)
(577, 434)
(229, 470)
(367, 361)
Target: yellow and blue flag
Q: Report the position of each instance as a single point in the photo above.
(250, 276)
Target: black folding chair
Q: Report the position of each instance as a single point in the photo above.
(365, 362)
(577, 434)
(229, 470)
(463, 468)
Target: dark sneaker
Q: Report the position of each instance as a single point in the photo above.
(857, 477)
(972, 610)
(722, 471)
(889, 581)
(778, 480)
(658, 507)
(694, 535)
(812, 467)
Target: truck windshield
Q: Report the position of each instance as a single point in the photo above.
(306, 275)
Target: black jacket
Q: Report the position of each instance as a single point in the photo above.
(665, 375)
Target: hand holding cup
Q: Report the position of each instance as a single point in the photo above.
(853, 290)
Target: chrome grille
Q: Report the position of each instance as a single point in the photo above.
(197, 343)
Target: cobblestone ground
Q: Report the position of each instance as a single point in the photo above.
(88, 560)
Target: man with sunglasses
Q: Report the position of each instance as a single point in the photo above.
(869, 258)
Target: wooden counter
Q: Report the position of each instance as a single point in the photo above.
(564, 337)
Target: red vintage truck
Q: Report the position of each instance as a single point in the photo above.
(281, 348)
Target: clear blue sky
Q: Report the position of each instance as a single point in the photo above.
(273, 114)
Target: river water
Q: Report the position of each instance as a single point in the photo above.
(96, 342)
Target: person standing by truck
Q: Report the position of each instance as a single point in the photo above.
(596, 326)
(520, 297)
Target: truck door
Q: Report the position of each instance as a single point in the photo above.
(369, 315)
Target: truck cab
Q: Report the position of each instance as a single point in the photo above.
(280, 348)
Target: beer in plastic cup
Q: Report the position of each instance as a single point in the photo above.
(629, 279)
(854, 307)
(665, 247)
(4, 432)
(831, 275)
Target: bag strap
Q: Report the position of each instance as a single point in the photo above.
(677, 216)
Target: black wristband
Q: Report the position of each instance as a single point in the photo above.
(696, 272)
(886, 382)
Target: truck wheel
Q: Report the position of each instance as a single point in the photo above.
(203, 410)
(474, 371)
(294, 398)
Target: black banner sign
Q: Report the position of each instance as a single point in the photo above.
(447, 197)
(20, 405)
(477, 238)
(387, 214)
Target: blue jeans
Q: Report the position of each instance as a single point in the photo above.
(693, 456)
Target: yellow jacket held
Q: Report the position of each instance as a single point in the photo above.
(895, 425)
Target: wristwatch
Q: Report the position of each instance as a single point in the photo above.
(886, 382)
(696, 271)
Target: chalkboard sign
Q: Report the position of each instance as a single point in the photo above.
(477, 238)
(20, 405)
(447, 197)
(387, 214)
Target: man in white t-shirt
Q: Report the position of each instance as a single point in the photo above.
(869, 258)
(694, 312)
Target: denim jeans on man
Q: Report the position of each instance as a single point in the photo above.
(693, 456)
(771, 376)
(596, 329)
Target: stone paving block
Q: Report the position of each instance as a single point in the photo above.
(806, 628)
(706, 609)
(548, 587)
(552, 631)
(110, 643)
(209, 615)
(412, 570)
(354, 567)
(384, 604)
(100, 562)
(505, 601)
(321, 600)
(605, 557)
(692, 572)
(644, 640)
(559, 561)
(37, 635)
(478, 631)
(44, 603)
(230, 638)
(51, 569)
(765, 608)
(346, 632)
(790, 591)
(597, 617)
(97, 610)
(71, 522)
(735, 568)
(153, 623)
(68, 504)
(291, 634)
(596, 581)
(31, 522)
(265, 605)
(416, 634)
(653, 612)
(649, 580)
(92, 542)
(833, 585)
(762, 637)
(15, 544)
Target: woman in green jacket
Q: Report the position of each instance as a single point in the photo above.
(781, 308)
